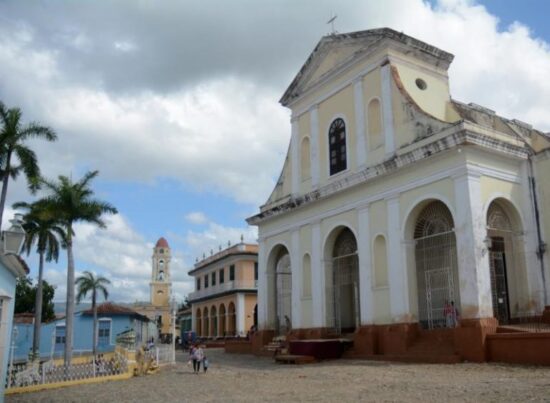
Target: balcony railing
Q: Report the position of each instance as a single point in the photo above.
(224, 287)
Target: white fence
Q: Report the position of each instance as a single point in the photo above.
(47, 372)
(161, 355)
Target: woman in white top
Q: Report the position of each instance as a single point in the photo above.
(198, 356)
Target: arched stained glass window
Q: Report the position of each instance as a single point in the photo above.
(337, 146)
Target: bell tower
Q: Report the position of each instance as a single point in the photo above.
(161, 285)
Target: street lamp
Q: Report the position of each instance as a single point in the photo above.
(13, 238)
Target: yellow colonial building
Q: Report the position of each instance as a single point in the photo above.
(224, 301)
(395, 200)
(158, 308)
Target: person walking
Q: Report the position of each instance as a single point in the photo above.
(192, 349)
(198, 356)
(205, 363)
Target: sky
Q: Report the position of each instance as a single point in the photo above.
(176, 104)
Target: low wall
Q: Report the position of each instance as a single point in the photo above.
(519, 348)
(238, 347)
(55, 385)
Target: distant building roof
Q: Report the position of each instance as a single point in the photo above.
(108, 308)
(24, 264)
(238, 249)
(162, 243)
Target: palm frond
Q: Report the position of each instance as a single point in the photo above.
(33, 129)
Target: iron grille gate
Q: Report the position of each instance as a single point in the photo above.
(283, 284)
(439, 290)
(343, 294)
(499, 287)
(437, 277)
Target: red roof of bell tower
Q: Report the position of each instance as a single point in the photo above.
(162, 243)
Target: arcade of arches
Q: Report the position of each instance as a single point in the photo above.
(433, 278)
(218, 318)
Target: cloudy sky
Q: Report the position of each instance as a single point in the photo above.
(175, 103)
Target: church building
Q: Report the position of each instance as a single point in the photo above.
(400, 210)
(158, 308)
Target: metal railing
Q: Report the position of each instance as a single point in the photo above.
(35, 373)
(161, 355)
(224, 287)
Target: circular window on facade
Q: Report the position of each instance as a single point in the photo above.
(421, 84)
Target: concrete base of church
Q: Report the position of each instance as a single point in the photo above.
(470, 338)
(475, 340)
(546, 315)
(467, 342)
(261, 338)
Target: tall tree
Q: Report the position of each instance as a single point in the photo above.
(13, 136)
(73, 202)
(44, 230)
(88, 283)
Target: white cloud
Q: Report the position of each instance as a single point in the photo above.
(125, 46)
(196, 217)
(215, 236)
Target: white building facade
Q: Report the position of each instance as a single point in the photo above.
(396, 200)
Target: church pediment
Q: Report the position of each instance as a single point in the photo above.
(338, 50)
(329, 55)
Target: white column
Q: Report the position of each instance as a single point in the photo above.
(532, 262)
(295, 156)
(296, 267)
(365, 269)
(262, 285)
(240, 312)
(397, 270)
(387, 109)
(314, 145)
(360, 122)
(473, 257)
(318, 289)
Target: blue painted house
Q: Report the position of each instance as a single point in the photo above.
(112, 320)
(11, 267)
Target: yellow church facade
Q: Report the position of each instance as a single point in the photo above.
(396, 201)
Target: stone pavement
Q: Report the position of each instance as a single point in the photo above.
(244, 378)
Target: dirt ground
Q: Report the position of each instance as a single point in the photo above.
(244, 378)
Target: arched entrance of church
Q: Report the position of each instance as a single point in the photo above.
(283, 294)
(343, 296)
(503, 229)
(436, 265)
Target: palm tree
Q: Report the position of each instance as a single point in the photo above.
(13, 136)
(46, 233)
(87, 283)
(73, 202)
